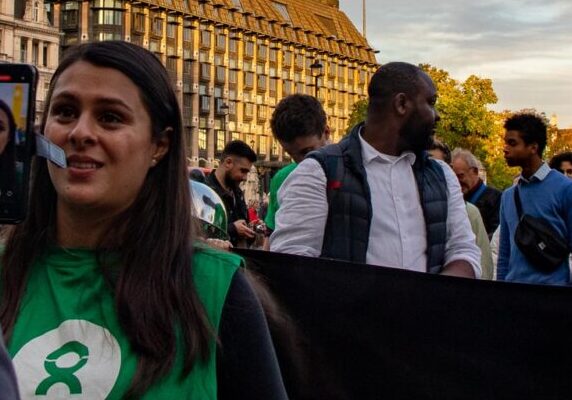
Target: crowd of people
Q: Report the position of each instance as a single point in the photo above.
(391, 194)
(107, 270)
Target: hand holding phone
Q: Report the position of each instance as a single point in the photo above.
(17, 112)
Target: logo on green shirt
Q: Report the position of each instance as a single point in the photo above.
(78, 358)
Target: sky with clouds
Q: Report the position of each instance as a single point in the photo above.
(524, 46)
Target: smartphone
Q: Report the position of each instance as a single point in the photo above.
(17, 113)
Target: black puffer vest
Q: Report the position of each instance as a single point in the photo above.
(346, 235)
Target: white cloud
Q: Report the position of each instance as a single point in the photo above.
(522, 45)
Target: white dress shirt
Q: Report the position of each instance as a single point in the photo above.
(397, 236)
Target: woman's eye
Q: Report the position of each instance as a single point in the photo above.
(64, 113)
(110, 118)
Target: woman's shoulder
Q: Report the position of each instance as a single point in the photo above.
(207, 260)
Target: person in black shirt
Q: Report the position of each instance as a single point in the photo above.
(235, 164)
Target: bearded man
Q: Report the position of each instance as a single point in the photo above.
(235, 163)
(376, 197)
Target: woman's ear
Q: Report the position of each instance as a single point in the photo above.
(162, 145)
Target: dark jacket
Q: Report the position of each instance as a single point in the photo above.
(233, 202)
(346, 235)
(487, 199)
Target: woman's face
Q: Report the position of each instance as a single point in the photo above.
(4, 130)
(98, 117)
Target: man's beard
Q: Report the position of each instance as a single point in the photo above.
(415, 136)
(229, 182)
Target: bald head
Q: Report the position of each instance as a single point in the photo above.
(391, 79)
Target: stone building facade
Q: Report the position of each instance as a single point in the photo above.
(231, 61)
(28, 36)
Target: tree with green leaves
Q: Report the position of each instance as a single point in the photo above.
(466, 120)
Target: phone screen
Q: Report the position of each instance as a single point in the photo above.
(17, 98)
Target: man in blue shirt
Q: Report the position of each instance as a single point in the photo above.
(544, 193)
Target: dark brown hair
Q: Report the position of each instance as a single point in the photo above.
(152, 282)
(298, 115)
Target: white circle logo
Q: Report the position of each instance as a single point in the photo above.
(78, 359)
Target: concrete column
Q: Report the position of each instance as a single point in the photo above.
(41, 53)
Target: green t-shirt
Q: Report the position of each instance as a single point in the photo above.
(67, 339)
(275, 184)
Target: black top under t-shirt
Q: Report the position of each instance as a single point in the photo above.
(247, 367)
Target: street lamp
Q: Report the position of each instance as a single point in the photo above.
(316, 68)
(224, 108)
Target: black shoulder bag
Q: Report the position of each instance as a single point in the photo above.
(540, 243)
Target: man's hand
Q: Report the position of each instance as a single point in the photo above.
(243, 230)
(459, 268)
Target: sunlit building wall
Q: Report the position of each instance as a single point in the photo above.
(28, 36)
(231, 61)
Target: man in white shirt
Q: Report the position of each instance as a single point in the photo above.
(376, 197)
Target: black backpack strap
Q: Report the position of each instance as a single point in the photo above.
(331, 160)
(517, 202)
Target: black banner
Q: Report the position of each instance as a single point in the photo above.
(361, 332)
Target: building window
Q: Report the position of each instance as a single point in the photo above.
(248, 110)
(273, 55)
(287, 88)
(248, 80)
(172, 66)
(187, 34)
(45, 54)
(233, 46)
(237, 4)
(262, 52)
(220, 141)
(205, 38)
(202, 139)
(23, 50)
(220, 74)
(262, 79)
(249, 48)
(105, 36)
(233, 77)
(261, 112)
(299, 61)
(221, 42)
(107, 4)
(283, 11)
(36, 12)
(139, 22)
(205, 73)
(35, 52)
(205, 104)
(262, 144)
(70, 12)
(287, 58)
(157, 26)
(171, 30)
(107, 17)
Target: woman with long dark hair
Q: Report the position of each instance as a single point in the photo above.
(104, 291)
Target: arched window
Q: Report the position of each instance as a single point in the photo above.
(36, 11)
